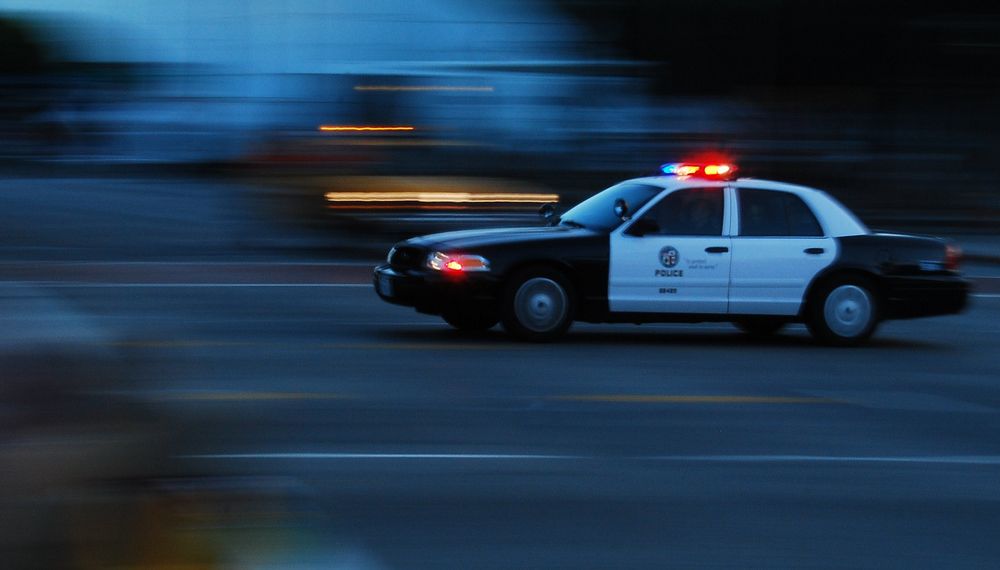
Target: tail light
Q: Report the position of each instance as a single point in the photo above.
(952, 257)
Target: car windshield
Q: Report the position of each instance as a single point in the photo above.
(597, 212)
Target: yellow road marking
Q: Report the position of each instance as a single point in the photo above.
(692, 399)
(178, 344)
(343, 346)
(425, 346)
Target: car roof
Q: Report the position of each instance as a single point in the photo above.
(695, 181)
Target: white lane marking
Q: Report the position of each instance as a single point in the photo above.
(71, 285)
(201, 263)
(902, 400)
(474, 456)
(916, 459)
(164, 285)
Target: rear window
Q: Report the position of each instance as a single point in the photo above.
(775, 213)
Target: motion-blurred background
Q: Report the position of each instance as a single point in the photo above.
(164, 163)
(889, 104)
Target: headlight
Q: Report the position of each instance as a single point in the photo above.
(457, 262)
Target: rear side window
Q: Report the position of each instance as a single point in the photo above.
(774, 213)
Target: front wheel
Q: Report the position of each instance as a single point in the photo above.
(538, 304)
(844, 312)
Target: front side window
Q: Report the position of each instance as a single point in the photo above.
(687, 212)
(774, 213)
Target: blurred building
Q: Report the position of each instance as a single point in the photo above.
(215, 76)
(877, 102)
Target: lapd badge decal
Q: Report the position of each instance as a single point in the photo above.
(669, 256)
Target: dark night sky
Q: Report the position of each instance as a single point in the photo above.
(718, 46)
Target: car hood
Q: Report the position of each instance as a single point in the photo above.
(466, 240)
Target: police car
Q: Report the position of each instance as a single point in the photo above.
(693, 244)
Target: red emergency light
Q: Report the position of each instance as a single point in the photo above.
(720, 170)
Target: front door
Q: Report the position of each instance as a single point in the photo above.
(673, 257)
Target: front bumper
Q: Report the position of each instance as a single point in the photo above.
(910, 297)
(431, 292)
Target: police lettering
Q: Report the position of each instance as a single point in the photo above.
(668, 273)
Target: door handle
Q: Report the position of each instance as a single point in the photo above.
(716, 249)
(814, 250)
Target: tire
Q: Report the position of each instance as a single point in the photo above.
(538, 304)
(761, 326)
(471, 319)
(844, 311)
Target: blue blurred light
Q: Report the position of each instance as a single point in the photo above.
(669, 168)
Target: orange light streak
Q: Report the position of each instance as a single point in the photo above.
(355, 129)
(446, 197)
(486, 89)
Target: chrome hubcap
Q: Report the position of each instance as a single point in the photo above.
(540, 304)
(848, 310)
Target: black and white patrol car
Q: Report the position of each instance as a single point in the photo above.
(687, 246)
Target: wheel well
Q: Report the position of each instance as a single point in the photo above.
(561, 267)
(546, 263)
(838, 274)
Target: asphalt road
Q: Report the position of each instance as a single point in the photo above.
(620, 447)
(286, 396)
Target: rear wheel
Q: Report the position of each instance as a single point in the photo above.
(844, 312)
(538, 304)
(760, 326)
(471, 319)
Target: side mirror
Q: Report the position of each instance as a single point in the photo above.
(621, 208)
(548, 212)
(643, 226)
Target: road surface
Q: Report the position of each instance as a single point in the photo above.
(619, 447)
(395, 442)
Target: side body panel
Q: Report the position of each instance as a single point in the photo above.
(582, 254)
(771, 274)
(908, 271)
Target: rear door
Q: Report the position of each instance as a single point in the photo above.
(779, 246)
(674, 257)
